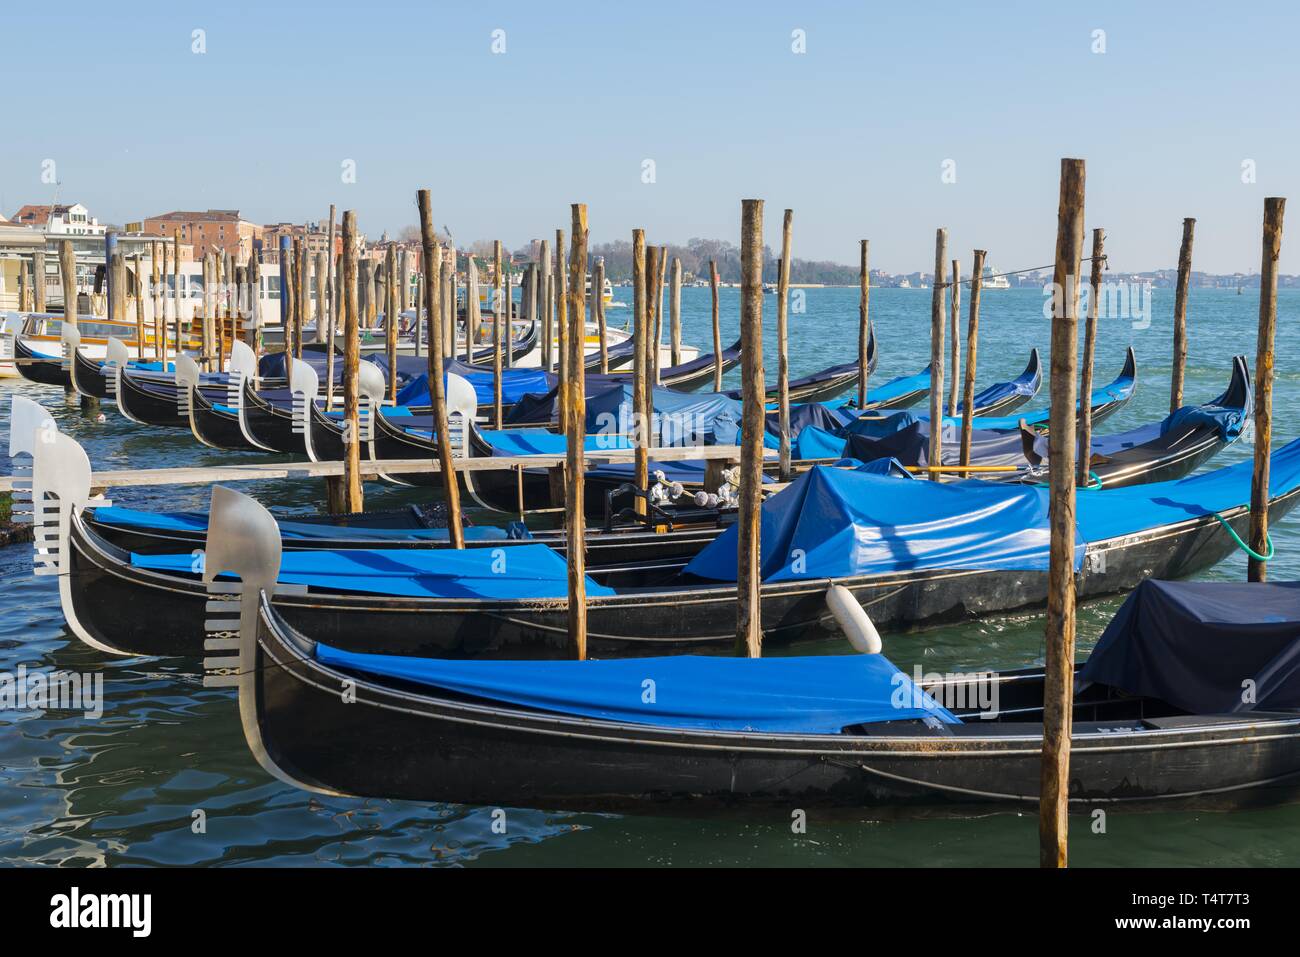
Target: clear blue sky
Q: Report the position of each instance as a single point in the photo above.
(850, 134)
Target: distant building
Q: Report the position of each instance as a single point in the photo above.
(222, 230)
(70, 219)
(316, 235)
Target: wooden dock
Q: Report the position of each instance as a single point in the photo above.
(263, 471)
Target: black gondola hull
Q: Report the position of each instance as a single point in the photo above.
(647, 621)
(410, 743)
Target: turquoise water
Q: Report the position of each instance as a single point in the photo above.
(123, 789)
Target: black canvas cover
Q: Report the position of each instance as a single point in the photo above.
(1205, 647)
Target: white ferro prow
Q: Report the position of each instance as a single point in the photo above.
(244, 540)
(116, 355)
(462, 400)
(305, 385)
(853, 620)
(371, 389)
(187, 379)
(70, 336)
(29, 424)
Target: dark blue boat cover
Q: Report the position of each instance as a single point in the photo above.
(515, 384)
(809, 695)
(834, 523)
(1205, 647)
(508, 572)
(680, 418)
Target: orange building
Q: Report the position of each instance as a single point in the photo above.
(216, 229)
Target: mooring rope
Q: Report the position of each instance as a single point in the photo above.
(1268, 541)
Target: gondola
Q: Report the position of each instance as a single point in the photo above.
(849, 732)
(824, 385)
(1156, 452)
(927, 553)
(689, 376)
(39, 368)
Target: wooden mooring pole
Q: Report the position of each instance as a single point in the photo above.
(782, 344)
(675, 307)
(544, 291)
(1058, 684)
(954, 335)
(1084, 477)
(351, 491)
(561, 305)
(68, 276)
(437, 386)
(1180, 317)
(598, 309)
(651, 324)
(1274, 208)
(972, 349)
(575, 402)
(717, 328)
(864, 318)
(749, 609)
(640, 414)
(937, 319)
(38, 276)
(498, 287)
(390, 319)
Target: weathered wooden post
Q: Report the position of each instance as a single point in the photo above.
(38, 273)
(864, 319)
(657, 350)
(286, 306)
(139, 308)
(497, 289)
(972, 349)
(652, 340)
(548, 333)
(390, 320)
(322, 296)
(116, 278)
(575, 403)
(782, 344)
(1180, 318)
(717, 328)
(1274, 208)
(598, 311)
(176, 288)
(954, 333)
(437, 381)
(561, 297)
(254, 338)
(159, 316)
(936, 353)
(509, 323)
(749, 607)
(68, 276)
(562, 328)
(349, 494)
(675, 304)
(23, 283)
(332, 313)
(640, 412)
(1084, 478)
(1058, 684)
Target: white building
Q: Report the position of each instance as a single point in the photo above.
(59, 220)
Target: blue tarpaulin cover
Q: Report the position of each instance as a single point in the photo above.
(809, 695)
(1111, 513)
(289, 529)
(833, 523)
(515, 384)
(509, 572)
(511, 442)
(1193, 644)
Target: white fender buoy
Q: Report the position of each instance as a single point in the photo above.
(853, 620)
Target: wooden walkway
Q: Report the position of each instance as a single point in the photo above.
(262, 471)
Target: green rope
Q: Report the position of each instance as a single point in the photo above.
(1268, 540)
(1083, 488)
